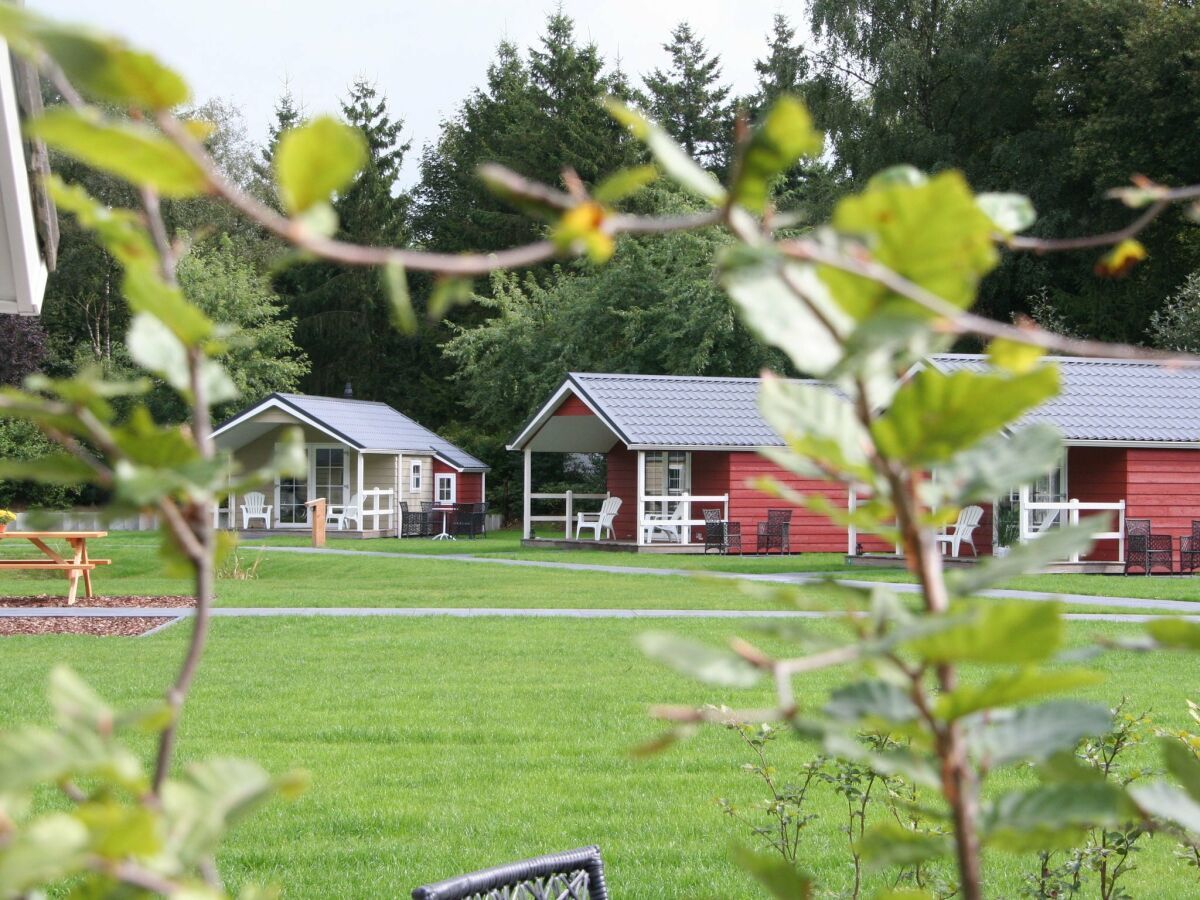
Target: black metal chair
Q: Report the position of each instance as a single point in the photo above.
(572, 875)
(427, 518)
(1145, 549)
(467, 520)
(773, 533)
(412, 522)
(1189, 549)
(720, 535)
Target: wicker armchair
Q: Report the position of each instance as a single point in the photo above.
(573, 875)
(1144, 549)
(773, 533)
(720, 535)
(413, 523)
(427, 520)
(467, 519)
(1189, 549)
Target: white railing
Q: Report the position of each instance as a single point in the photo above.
(852, 498)
(569, 497)
(382, 505)
(649, 522)
(1055, 511)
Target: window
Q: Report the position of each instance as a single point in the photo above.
(666, 474)
(329, 474)
(445, 488)
(414, 478)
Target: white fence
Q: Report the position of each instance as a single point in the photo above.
(1066, 512)
(81, 520)
(382, 505)
(675, 527)
(568, 516)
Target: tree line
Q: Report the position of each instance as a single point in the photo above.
(1060, 101)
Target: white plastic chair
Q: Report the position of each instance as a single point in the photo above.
(599, 521)
(963, 529)
(671, 526)
(339, 513)
(255, 507)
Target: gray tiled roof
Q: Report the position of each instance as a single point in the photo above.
(1112, 400)
(1101, 400)
(370, 425)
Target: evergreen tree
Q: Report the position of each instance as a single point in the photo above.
(688, 99)
(287, 115)
(784, 70)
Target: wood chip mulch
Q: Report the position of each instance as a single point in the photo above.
(102, 602)
(102, 626)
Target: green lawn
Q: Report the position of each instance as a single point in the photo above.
(439, 745)
(1156, 587)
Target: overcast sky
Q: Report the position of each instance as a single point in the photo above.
(426, 56)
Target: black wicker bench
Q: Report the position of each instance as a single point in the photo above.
(571, 875)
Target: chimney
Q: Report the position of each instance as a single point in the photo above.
(348, 393)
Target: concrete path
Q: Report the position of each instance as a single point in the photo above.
(794, 578)
(268, 612)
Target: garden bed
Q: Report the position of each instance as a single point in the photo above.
(101, 626)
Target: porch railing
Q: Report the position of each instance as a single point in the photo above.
(648, 522)
(1066, 512)
(382, 505)
(568, 516)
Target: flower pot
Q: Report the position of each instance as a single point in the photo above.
(3, 525)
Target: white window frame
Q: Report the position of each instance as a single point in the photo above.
(445, 478)
(414, 477)
(310, 452)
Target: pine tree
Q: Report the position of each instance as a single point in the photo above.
(287, 115)
(784, 69)
(688, 98)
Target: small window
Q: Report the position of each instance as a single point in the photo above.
(445, 488)
(414, 479)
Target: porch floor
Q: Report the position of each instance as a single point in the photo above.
(1084, 567)
(251, 533)
(622, 546)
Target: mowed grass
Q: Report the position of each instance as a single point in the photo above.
(437, 746)
(1155, 587)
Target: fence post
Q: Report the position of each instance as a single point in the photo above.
(1073, 519)
(570, 514)
(317, 517)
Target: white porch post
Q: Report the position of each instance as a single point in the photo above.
(361, 487)
(1023, 514)
(528, 502)
(851, 531)
(396, 500)
(570, 514)
(640, 506)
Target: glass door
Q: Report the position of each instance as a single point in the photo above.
(329, 475)
(293, 494)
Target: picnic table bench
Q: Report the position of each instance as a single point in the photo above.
(78, 564)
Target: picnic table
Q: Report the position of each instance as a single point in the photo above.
(78, 564)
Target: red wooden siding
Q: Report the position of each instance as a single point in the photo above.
(572, 406)
(622, 482)
(809, 532)
(468, 486)
(710, 478)
(1097, 475)
(1162, 485)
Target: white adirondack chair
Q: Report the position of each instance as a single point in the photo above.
(338, 513)
(671, 526)
(961, 531)
(600, 521)
(255, 507)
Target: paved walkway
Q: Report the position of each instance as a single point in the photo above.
(798, 578)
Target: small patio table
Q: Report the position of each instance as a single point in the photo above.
(79, 564)
(445, 534)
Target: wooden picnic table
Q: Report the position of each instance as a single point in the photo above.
(79, 563)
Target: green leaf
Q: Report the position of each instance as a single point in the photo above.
(931, 233)
(1051, 816)
(395, 282)
(778, 876)
(891, 844)
(1182, 763)
(997, 464)
(117, 830)
(1054, 544)
(1013, 632)
(1034, 733)
(786, 135)
(146, 292)
(75, 703)
(1014, 356)
(874, 701)
(673, 159)
(101, 66)
(1167, 802)
(49, 849)
(817, 423)
(1179, 634)
(448, 292)
(709, 665)
(1010, 213)
(622, 184)
(899, 761)
(54, 468)
(773, 311)
(934, 415)
(1012, 688)
(154, 347)
(317, 159)
(131, 151)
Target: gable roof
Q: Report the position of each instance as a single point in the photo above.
(1102, 401)
(364, 425)
(1113, 401)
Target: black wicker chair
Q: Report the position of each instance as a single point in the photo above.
(1144, 549)
(426, 518)
(412, 522)
(1189, 549)
(720, 535)
(572, 875)
(773, 533)
(467, 519)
